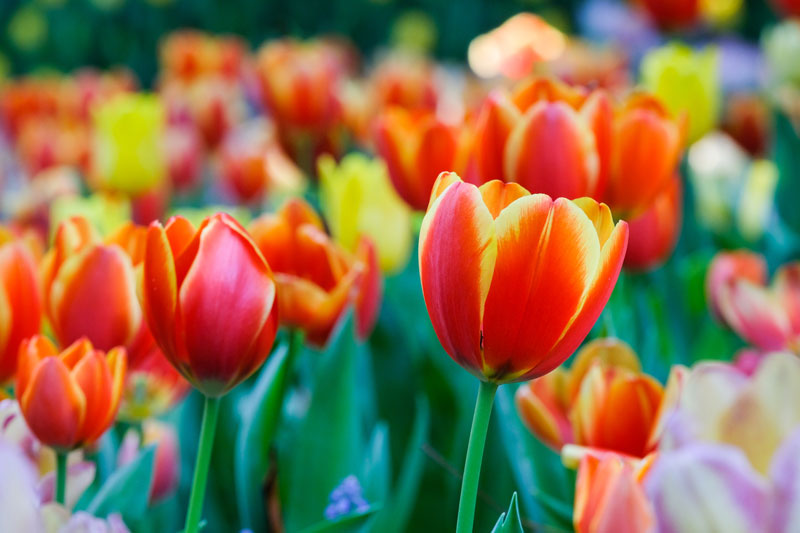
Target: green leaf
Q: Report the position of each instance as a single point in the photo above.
(260, 411)
(510, 521)
(376, 475)
(127, 490)
(344, 524)
(327, 445)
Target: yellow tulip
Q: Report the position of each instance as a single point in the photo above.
(358, 199)
(128, 144)
(686, 80)
(106, 212)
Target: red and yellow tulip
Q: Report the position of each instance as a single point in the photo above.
(20, 301)
(69, 399)
(654, 233)
(603, 401)
(209, 298)
(317, 279)
(499, 314)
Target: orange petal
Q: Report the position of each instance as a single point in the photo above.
(93, 377)
(370, 289)
(159, 290)
(20, 304)
(436, 153)
(457, 252)
(654, 233)
(498, 195)
(495, 121)
(535, 90)
(598, 113)
(552, 151)
(540, 406)
(31, 352)
(609, 353)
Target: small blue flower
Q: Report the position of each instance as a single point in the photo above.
(346, 498)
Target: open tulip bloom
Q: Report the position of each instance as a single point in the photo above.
(499, 314)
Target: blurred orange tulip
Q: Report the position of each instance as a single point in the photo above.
(316, 278)
(188, 55)
(499, 314)
(646, 148)
(609, 496)
(209, 298)
(603, 401)
(89, 288)
(20, 301)
(69, 399)
(416, 146)
(654, 233)
(548, 137)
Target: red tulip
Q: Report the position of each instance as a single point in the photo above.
(513, 282)
(670, 14)
(209, 299)
(654, 233)
(69, 399)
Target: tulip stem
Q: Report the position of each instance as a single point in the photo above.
(207, 430)
(61, 477)
(472, 466)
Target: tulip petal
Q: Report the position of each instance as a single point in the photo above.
(54, 405)
(540, 406)
(93, 377)
(755, 314)
(20, 304)
(785, 476)
(31, 352)
(457, 254)
(160, 293)
(370, 289)
(496, 120)
(547, 257)
(498, 195)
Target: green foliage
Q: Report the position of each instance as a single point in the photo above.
(510, 521)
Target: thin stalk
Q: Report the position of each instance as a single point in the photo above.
(61, 477)
(472, 466)
(207, 430)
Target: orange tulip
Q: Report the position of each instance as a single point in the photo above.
(209, 298)
(548, 137)
(655, 232)
(513, 282)
(603, 401)
(189, 55)
(69, 399)
(609, 496)
(416, 146)
(89, 288)
(316, 278)
(20, 301)
(646, 148)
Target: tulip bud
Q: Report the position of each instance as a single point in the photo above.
(69, 399)
(209, 299)
(475, 241)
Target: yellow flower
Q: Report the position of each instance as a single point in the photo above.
(358, 199)
(686, 80)
(128, 144)
(106, 212)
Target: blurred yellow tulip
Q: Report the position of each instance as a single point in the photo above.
(128, 144)
(358, 199)
(686, 80)
(106, 212)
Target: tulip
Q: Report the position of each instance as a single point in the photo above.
(747, 119)
(358, 199)
(686, 81)
(317, 280)
(68, 399)
(405, 80)
(603, 401)
(20, 305)
(609, 497)
(498, 314)
(73, 269)
(184, 153)
(647, 143)
(127, 154)
(416, 147)
(654, 233)
(728, 268)
(189, 55)
(209, 298)
(548, 137)
(672, 13)
(788, 8)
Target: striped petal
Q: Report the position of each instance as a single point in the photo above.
(31, 352)
(497, 118)
(160, 292)
(598, 113)
(498, 195)
(20, 304)
(457, 254)
(540, 404)
(94, 378)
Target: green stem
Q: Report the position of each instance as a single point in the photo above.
(61, 477)
(207, 429)
(472, 466)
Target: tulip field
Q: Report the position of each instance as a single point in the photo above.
(387, 266)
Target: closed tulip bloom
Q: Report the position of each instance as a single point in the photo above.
(686, 81)
(498, 313)
(20, 301)
(647, 144)
(209, 298)
(69, 399)
(127, 154)
(654, 233)
(548, 137)
(609, 496)
(603, 401)
(729, 267)
(358, 199)
(317, 279)
(416, 146)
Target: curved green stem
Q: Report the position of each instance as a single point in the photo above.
(207, 429)
(61, 477)
(472, 466)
